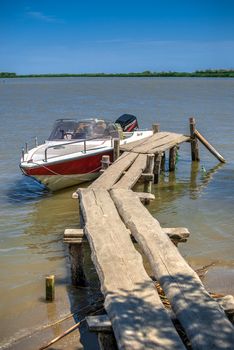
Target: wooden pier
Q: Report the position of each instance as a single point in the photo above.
(113, 218)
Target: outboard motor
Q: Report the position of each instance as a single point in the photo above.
(128, 122)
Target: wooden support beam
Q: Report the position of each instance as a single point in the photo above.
(116, 149)
(77, 264)
(156, 128)
(209, 146)
(147, 177)
(176, 234)
(75, 238)
(105, 162)
(107, 341)
(227, 303)
(172, 158)
(163, 161)
(149, 169)
(157, 167)
(194, 143)
(99, 323)
(143, 196)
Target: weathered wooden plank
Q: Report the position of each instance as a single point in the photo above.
(174, 233)
(138, 317)
(114, 172)
(73, 232)
(156, 144)
(209, 146)
(177, 233)
(102, 323)
(147, 140)
(174, 142)
(204, 321)
(133, 174)
(142, 196)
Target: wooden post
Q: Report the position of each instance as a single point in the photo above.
(163, 161)
(107, 341)
(50, 289)
(77, 264)
(105, 162)
(156, 128)
(194, 142)
(157, 167)
(149, 170)
(116, 149)
(172, 158)
(82, 223)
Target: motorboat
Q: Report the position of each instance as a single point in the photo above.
(73, 152)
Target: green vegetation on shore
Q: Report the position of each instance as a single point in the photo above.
(213, 73)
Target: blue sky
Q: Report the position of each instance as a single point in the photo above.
(48, 36)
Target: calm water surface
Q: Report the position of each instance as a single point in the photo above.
(33, 220)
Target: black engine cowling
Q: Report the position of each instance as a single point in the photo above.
(128, 122)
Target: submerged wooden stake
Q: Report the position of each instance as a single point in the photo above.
(50, 288)
(194, 142)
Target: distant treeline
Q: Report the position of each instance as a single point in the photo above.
(219, 73)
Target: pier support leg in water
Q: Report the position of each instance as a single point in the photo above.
(76, 239)
(105, 163)
(194, 142)
(77, 264)
(157, 167)
(172, 158)
(163, 162)
(149, 175)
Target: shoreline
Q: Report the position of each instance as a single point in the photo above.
(219, 73)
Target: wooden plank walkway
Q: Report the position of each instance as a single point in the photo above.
(156, 143)
(111, 213)
(198, 313)
(128, 290)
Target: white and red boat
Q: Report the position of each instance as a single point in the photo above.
(73, 152)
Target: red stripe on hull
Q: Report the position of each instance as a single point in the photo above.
(87, 164)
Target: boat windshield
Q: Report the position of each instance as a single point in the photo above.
(67, 129)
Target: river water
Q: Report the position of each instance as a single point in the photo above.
(33, 220)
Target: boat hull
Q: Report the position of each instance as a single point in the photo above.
(65, 173)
